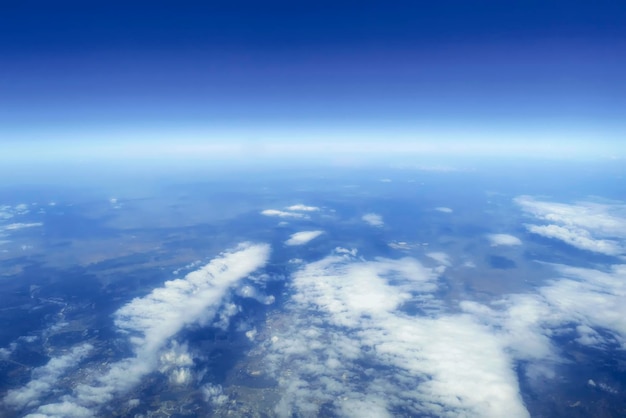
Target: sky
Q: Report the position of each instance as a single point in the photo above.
(535, 78)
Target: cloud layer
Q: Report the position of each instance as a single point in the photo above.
(352, 344)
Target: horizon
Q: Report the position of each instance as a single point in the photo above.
(486, 80)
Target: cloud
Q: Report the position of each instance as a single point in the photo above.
(21, 225)
(350, 345)
(5, 212)
(590, 226)
(577, 237)
(301, 238)
(21, 209)
(151, 321)
(8, 212)
(441, 258)
(373, 219)
(44, 379)
(176, 362)
(588, 302)
(214, 394)
(400, 245)
(282, 214)
(443, 209)
(303, 208)
(64, 409)
(503, 240)
(253, 293)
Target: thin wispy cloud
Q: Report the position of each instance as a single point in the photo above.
(282, 213)
(303, 208)
(21, 225)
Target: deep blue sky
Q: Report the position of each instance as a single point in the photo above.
(209, 71)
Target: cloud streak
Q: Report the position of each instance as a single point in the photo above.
(151, 321)
(22, 225)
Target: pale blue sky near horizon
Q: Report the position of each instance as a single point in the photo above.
(533, 79)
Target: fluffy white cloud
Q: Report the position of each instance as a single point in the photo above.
(282, 214)
(350, 344)
(503, 239)
(176, 362)
(301, 238)
(586, 225)
(214, 394)
(373, 219)
(303, 208)
(151, 321)
(44, 378)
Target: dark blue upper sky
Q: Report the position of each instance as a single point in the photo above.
(500, 66)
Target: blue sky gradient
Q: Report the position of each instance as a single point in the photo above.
(213, 73)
